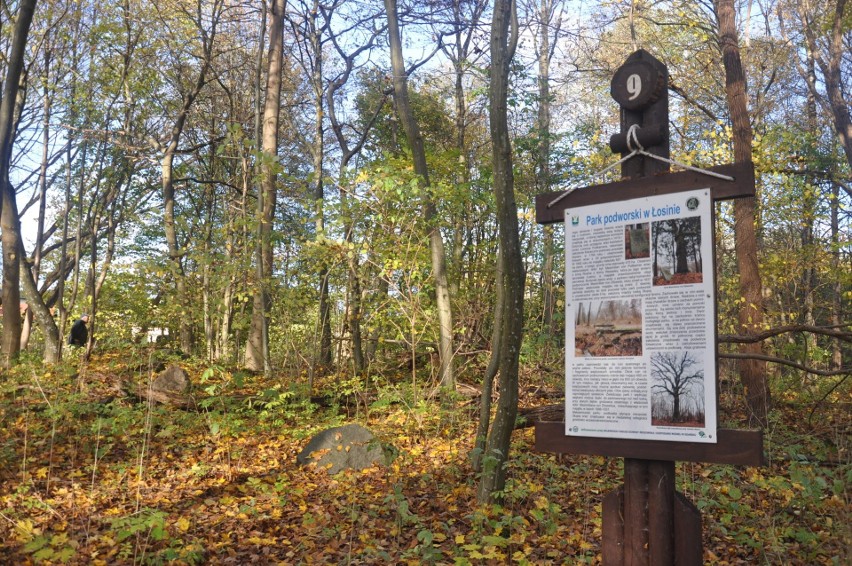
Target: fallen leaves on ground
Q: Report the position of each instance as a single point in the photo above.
(91, 478)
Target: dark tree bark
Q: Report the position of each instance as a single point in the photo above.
(504, 37)
(752, 371)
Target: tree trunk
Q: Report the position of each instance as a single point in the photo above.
(543, 177)
(491, 371)
(752, 372)
(436, 243)
(382, 290)
(831, 68)
(256, 358)
(42, 196)
(41, 314)
(175, 253)
(460, 56)
(257, 341)
(503, 43)
(353, 287)
(10, 222)
(318, 153)
(837, 295)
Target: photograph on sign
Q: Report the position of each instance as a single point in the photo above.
(640, 313)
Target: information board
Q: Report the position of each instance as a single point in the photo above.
(640, 319)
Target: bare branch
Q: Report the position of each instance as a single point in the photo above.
(783, 362)
(831, 331)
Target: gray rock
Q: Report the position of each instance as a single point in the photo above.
(349, 447)
(172, 380)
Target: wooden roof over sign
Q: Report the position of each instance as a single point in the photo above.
(741, 186)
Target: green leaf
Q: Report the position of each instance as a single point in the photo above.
(492, 540)
(35, 544)
(44, 554)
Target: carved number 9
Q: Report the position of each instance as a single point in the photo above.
(634, 86)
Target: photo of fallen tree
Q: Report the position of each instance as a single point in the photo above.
(609, 328)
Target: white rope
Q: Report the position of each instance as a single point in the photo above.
(633, 138)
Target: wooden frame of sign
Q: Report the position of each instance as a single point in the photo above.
(741, 447)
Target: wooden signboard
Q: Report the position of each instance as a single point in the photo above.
(646, 522)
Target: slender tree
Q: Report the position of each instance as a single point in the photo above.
(169, 149)
(752, 371)
(504, 40)
(827, 52)
(549, 24)
(257, 341)
(256, 353)
(10, 222)
(436, 242)
(347, 153)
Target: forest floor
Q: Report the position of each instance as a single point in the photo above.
(89, 477)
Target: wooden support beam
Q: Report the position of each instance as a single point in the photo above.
(663, 184)
(738, 447)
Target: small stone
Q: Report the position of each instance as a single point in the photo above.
(172, 380)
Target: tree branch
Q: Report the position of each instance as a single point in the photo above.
(680, 92)
(782, 361)
(830, 331)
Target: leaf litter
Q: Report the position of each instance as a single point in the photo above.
(89, 477)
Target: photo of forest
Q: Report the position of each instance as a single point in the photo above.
(676, 246)
(637, 243)
(608, 328)
(677, 390)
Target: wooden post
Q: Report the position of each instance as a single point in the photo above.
(636, 529)
(640, 86)
(661, 496)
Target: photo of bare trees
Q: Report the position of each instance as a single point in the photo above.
(608, 328)
(676, 245)
(677, 389)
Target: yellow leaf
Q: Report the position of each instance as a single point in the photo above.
(26, 530)
(183, 524)
(459, 539)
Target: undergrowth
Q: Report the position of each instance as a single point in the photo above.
(90, 476)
